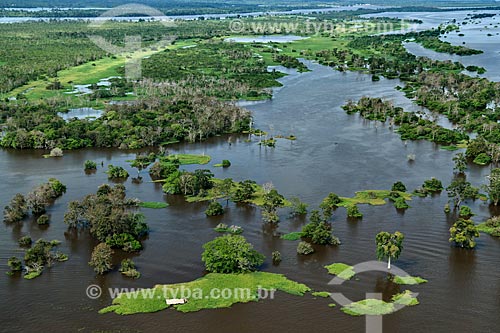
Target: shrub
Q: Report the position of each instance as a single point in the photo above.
(116, 172)
(128, 269)
(226, 163)
(298, 207)
(276, 255)
(16, 210)
(15, 264)
(214, 209)
(465, 212)
(125, 241)
(101, 257)
(90, 165)
(231, 254)
(447, 208)
(400, 203)
(43, 220)
(305, 248)
(56, 152)
(25, 241)
(433, 185)
(493, 222)
(482, 159)
(398, 186)
(353, 212)
(463, 233)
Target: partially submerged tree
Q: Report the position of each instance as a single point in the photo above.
(389, 246)
(231, 254)
(272, 201)
(101, 257)
(493, 187)
(460, 163)
(463, 233)
(460, 190)
(16, 210)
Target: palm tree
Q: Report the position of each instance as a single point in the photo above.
(389, 246)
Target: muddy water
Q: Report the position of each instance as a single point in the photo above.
(334, 152)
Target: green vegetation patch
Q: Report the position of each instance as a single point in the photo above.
(405, 298)
(409, 280)
(375, 307)
(185, 159)
(323, 294)
(212, 194)
(153, 204)
(371, 197)
(487, 228)
(293, 236)
(341, 270)
(245, 289)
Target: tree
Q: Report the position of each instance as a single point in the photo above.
(398, 186)
(244, 191)
(116, 172)
(101, 257)
(224, 188)
(214, 209)
(460, 163)
(272, 201)
(16, 210)
(329, 204)
(459, 190)
(89, 165)
(298, 207)
(319, 231)
(463, 232)
(231, 254)
(493, 188)
(304, 248)
(389, 246)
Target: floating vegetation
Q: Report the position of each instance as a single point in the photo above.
(153, 300)
(292, 236)
(153, 205)
(408, 280)
(341, 270)
(375, 307)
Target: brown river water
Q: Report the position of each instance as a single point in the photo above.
(334, 152)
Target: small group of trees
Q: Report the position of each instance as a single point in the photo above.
(319, 230)
(37, 257)
(37, 201)
(109, 217)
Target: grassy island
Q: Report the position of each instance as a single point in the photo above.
(244, 288)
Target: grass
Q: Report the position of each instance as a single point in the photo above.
(212, 194)
(375, 307)
(323, 294)
(293, 236)
(185, 159)
(32, 275)
(405, 298)
(153, 205)
(409, 280)
(341, 270)
(244, 287)
(483, 227)
(88, 73)
(371, 197)
(332, 305)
